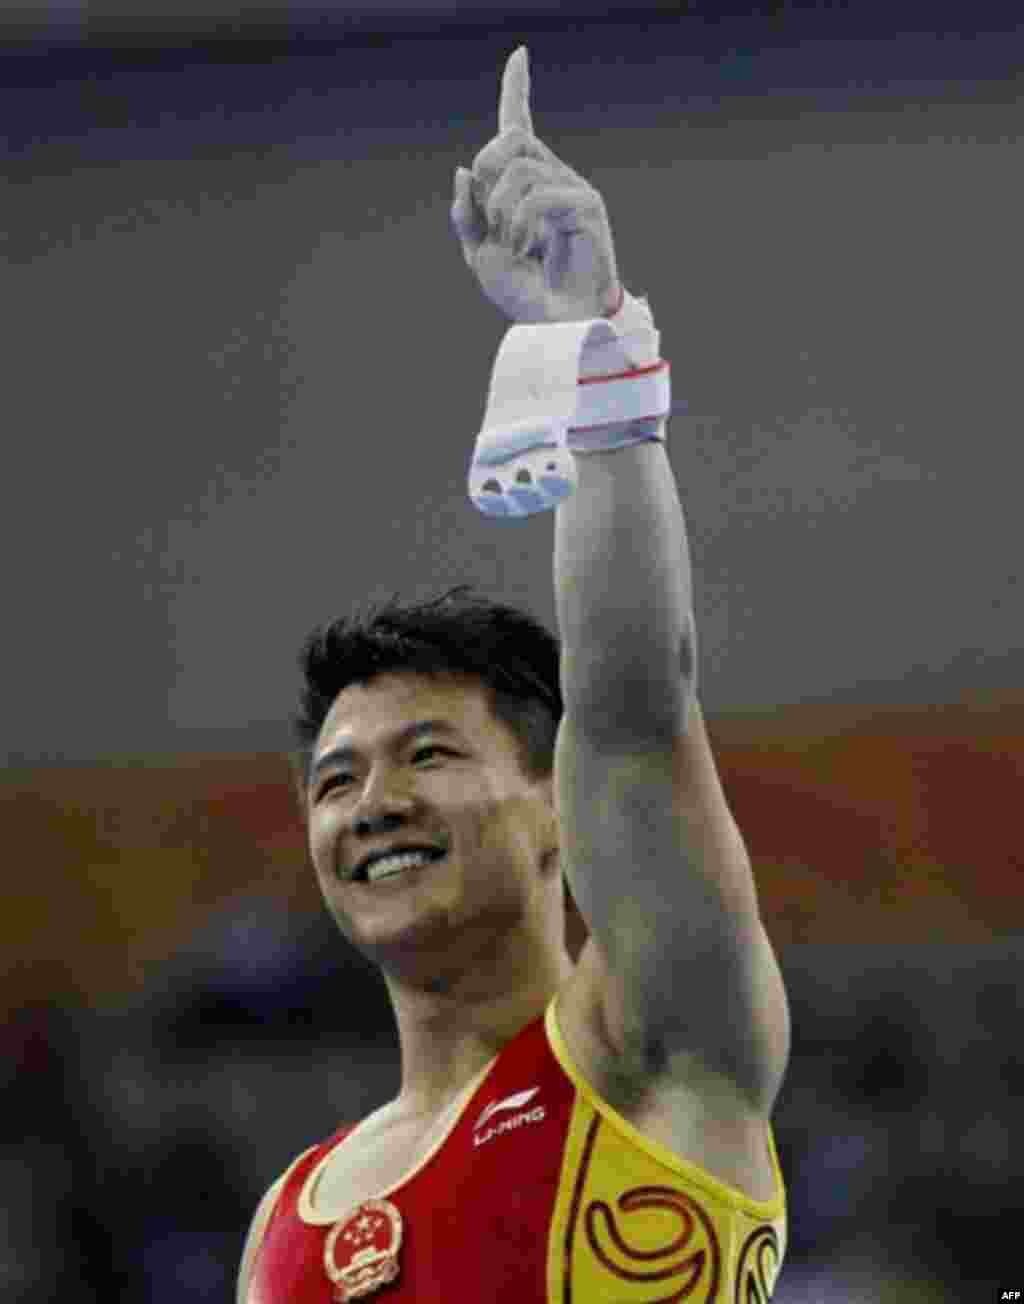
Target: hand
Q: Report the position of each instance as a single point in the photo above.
(535, 234)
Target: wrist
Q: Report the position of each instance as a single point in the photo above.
(615, 435)
(563, 388)
(615, 400)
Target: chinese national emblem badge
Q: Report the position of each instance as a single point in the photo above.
(361, 1250)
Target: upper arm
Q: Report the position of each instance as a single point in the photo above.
(678, 969)
(255, 1236)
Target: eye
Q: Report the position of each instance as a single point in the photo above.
(420, 752)
(339, 780)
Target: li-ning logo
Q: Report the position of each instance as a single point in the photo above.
(515, 1102)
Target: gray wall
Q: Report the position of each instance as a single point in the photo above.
(244, 364)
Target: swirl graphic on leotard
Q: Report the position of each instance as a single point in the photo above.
(691, 1256)
(757, 1267)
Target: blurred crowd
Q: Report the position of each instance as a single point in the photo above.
(138, 1140)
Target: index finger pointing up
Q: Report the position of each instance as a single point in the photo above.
(514, 106)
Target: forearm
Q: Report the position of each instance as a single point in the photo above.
(624, 597)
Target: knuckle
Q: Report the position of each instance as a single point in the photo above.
(531, 204)
(515, 135)
(529, 169)
(486, 161)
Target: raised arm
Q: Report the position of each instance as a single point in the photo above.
(681, 966)
(678, 961)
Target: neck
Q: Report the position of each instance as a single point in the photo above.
(453, 1024)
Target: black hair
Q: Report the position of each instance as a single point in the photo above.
(456, 633)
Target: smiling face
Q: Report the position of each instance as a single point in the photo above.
(413, 761)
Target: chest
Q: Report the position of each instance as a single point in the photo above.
(378, 1159)
(373, 1162)
(525, 1192)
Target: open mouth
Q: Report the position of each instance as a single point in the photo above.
(396, 864)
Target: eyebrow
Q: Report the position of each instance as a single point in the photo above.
(343, 754)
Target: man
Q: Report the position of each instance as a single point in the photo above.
(597, 1131)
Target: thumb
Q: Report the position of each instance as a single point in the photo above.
(467, 219)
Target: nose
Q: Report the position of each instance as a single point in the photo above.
(382, 808)
(367, 825)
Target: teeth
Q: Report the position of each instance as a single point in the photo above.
(395, 864)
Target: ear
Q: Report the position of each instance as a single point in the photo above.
(550, 831)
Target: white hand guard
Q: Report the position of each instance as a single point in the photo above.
(554, 389)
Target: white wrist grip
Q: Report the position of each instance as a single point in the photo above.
(553, 378)
(628, 396)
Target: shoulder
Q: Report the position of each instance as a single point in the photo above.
(255, 1236)
(686, 1106)
(622, 1069)
(265, 1209)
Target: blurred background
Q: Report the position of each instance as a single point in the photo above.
(243, 367)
